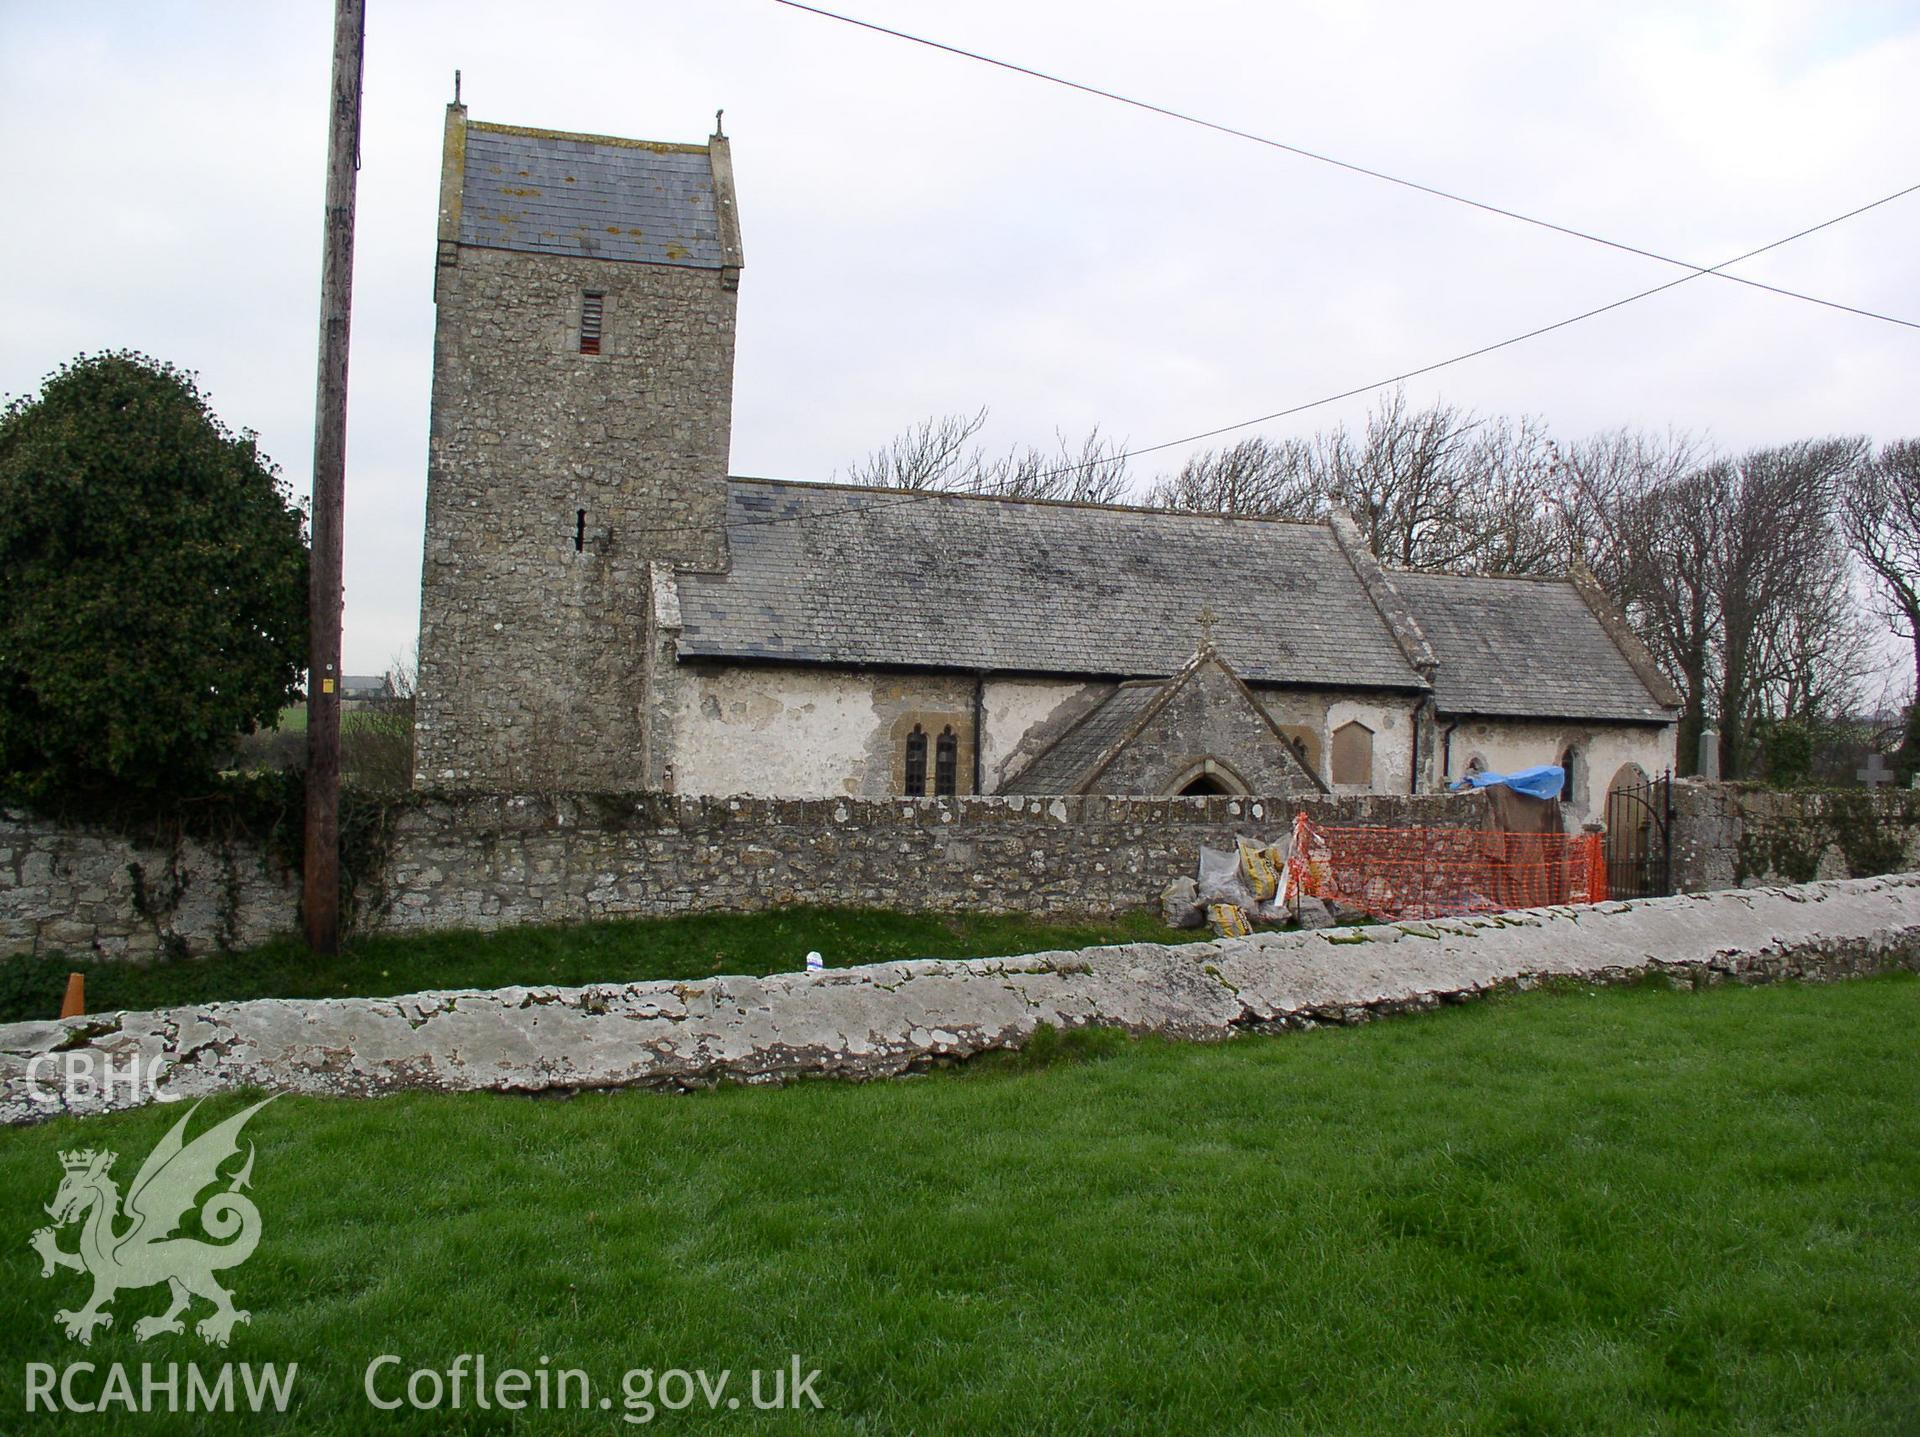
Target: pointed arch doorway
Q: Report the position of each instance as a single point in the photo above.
(1205, 779)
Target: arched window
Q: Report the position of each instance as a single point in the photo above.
(946, 763)
(917, 762)
(1476, 764)
(1353, 754)
(1568, 757)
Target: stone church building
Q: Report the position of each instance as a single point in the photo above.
(604, 608)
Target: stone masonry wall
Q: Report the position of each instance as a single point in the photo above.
(532, 652)
(488, 862)
(1208, 718)
(493, 861)
(92, 893)
(1736, 835)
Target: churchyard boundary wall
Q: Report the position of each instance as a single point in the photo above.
(483, 862)
(1741, 835)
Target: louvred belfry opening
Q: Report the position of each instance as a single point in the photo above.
(591, 309)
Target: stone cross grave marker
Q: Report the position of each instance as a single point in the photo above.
(1876, 772)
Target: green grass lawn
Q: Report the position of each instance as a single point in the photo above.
(1610, 1211)
(293, 719)
(696, 946)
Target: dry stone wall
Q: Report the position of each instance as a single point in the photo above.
(95, 894)
(488, 863)
(892, 1018)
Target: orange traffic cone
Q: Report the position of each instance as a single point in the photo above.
(75, 1003)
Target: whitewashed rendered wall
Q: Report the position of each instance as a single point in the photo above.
(1601, 750)
(1024, 716)
(790, 732)
(782, 732)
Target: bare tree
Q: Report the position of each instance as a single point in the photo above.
(1408, 479)
(940, 454)
(1512, 514)
(1255, 476)
(934, 454)
(1094, 473)
(1880, 514)
(403, 671)
(1434, 488)
(1604, 488)
(1785, 586)
(1732, 571)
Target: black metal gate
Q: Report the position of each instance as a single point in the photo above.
(1639, 834)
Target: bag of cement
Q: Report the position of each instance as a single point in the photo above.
(1220, 880)
(1228, 920)
(1280, 905)
(1180, 904)
(1257, 870)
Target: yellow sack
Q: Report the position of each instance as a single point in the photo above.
(1257, 868)
(1228, 920)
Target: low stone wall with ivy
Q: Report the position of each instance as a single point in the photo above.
(490, 862)
(102, 893)
(1737, 835)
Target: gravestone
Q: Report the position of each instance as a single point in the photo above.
(1876, 773)
(1709, 753)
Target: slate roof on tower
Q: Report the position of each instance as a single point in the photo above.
(591, 196)
(834, 574)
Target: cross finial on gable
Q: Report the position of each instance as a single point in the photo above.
(1207, 620)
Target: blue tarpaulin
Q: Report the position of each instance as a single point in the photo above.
(1543, 781)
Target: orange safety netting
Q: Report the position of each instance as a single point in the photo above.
(1433, 872)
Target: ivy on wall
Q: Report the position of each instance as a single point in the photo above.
(1787, 838)
(256, 818)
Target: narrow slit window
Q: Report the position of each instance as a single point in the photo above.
(579, 530)
(592, 309)
(916, 763)
(946, 765)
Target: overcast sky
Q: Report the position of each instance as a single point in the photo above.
(925, 234)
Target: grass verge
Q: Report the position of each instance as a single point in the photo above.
(1626, 1210)
(626, 951)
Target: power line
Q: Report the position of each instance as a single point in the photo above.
(920, 496)
(1348, 165)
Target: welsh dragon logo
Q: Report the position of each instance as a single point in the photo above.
(146, 1252)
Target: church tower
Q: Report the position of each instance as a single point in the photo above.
(582, 403)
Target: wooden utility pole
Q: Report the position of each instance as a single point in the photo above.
(321, 897)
